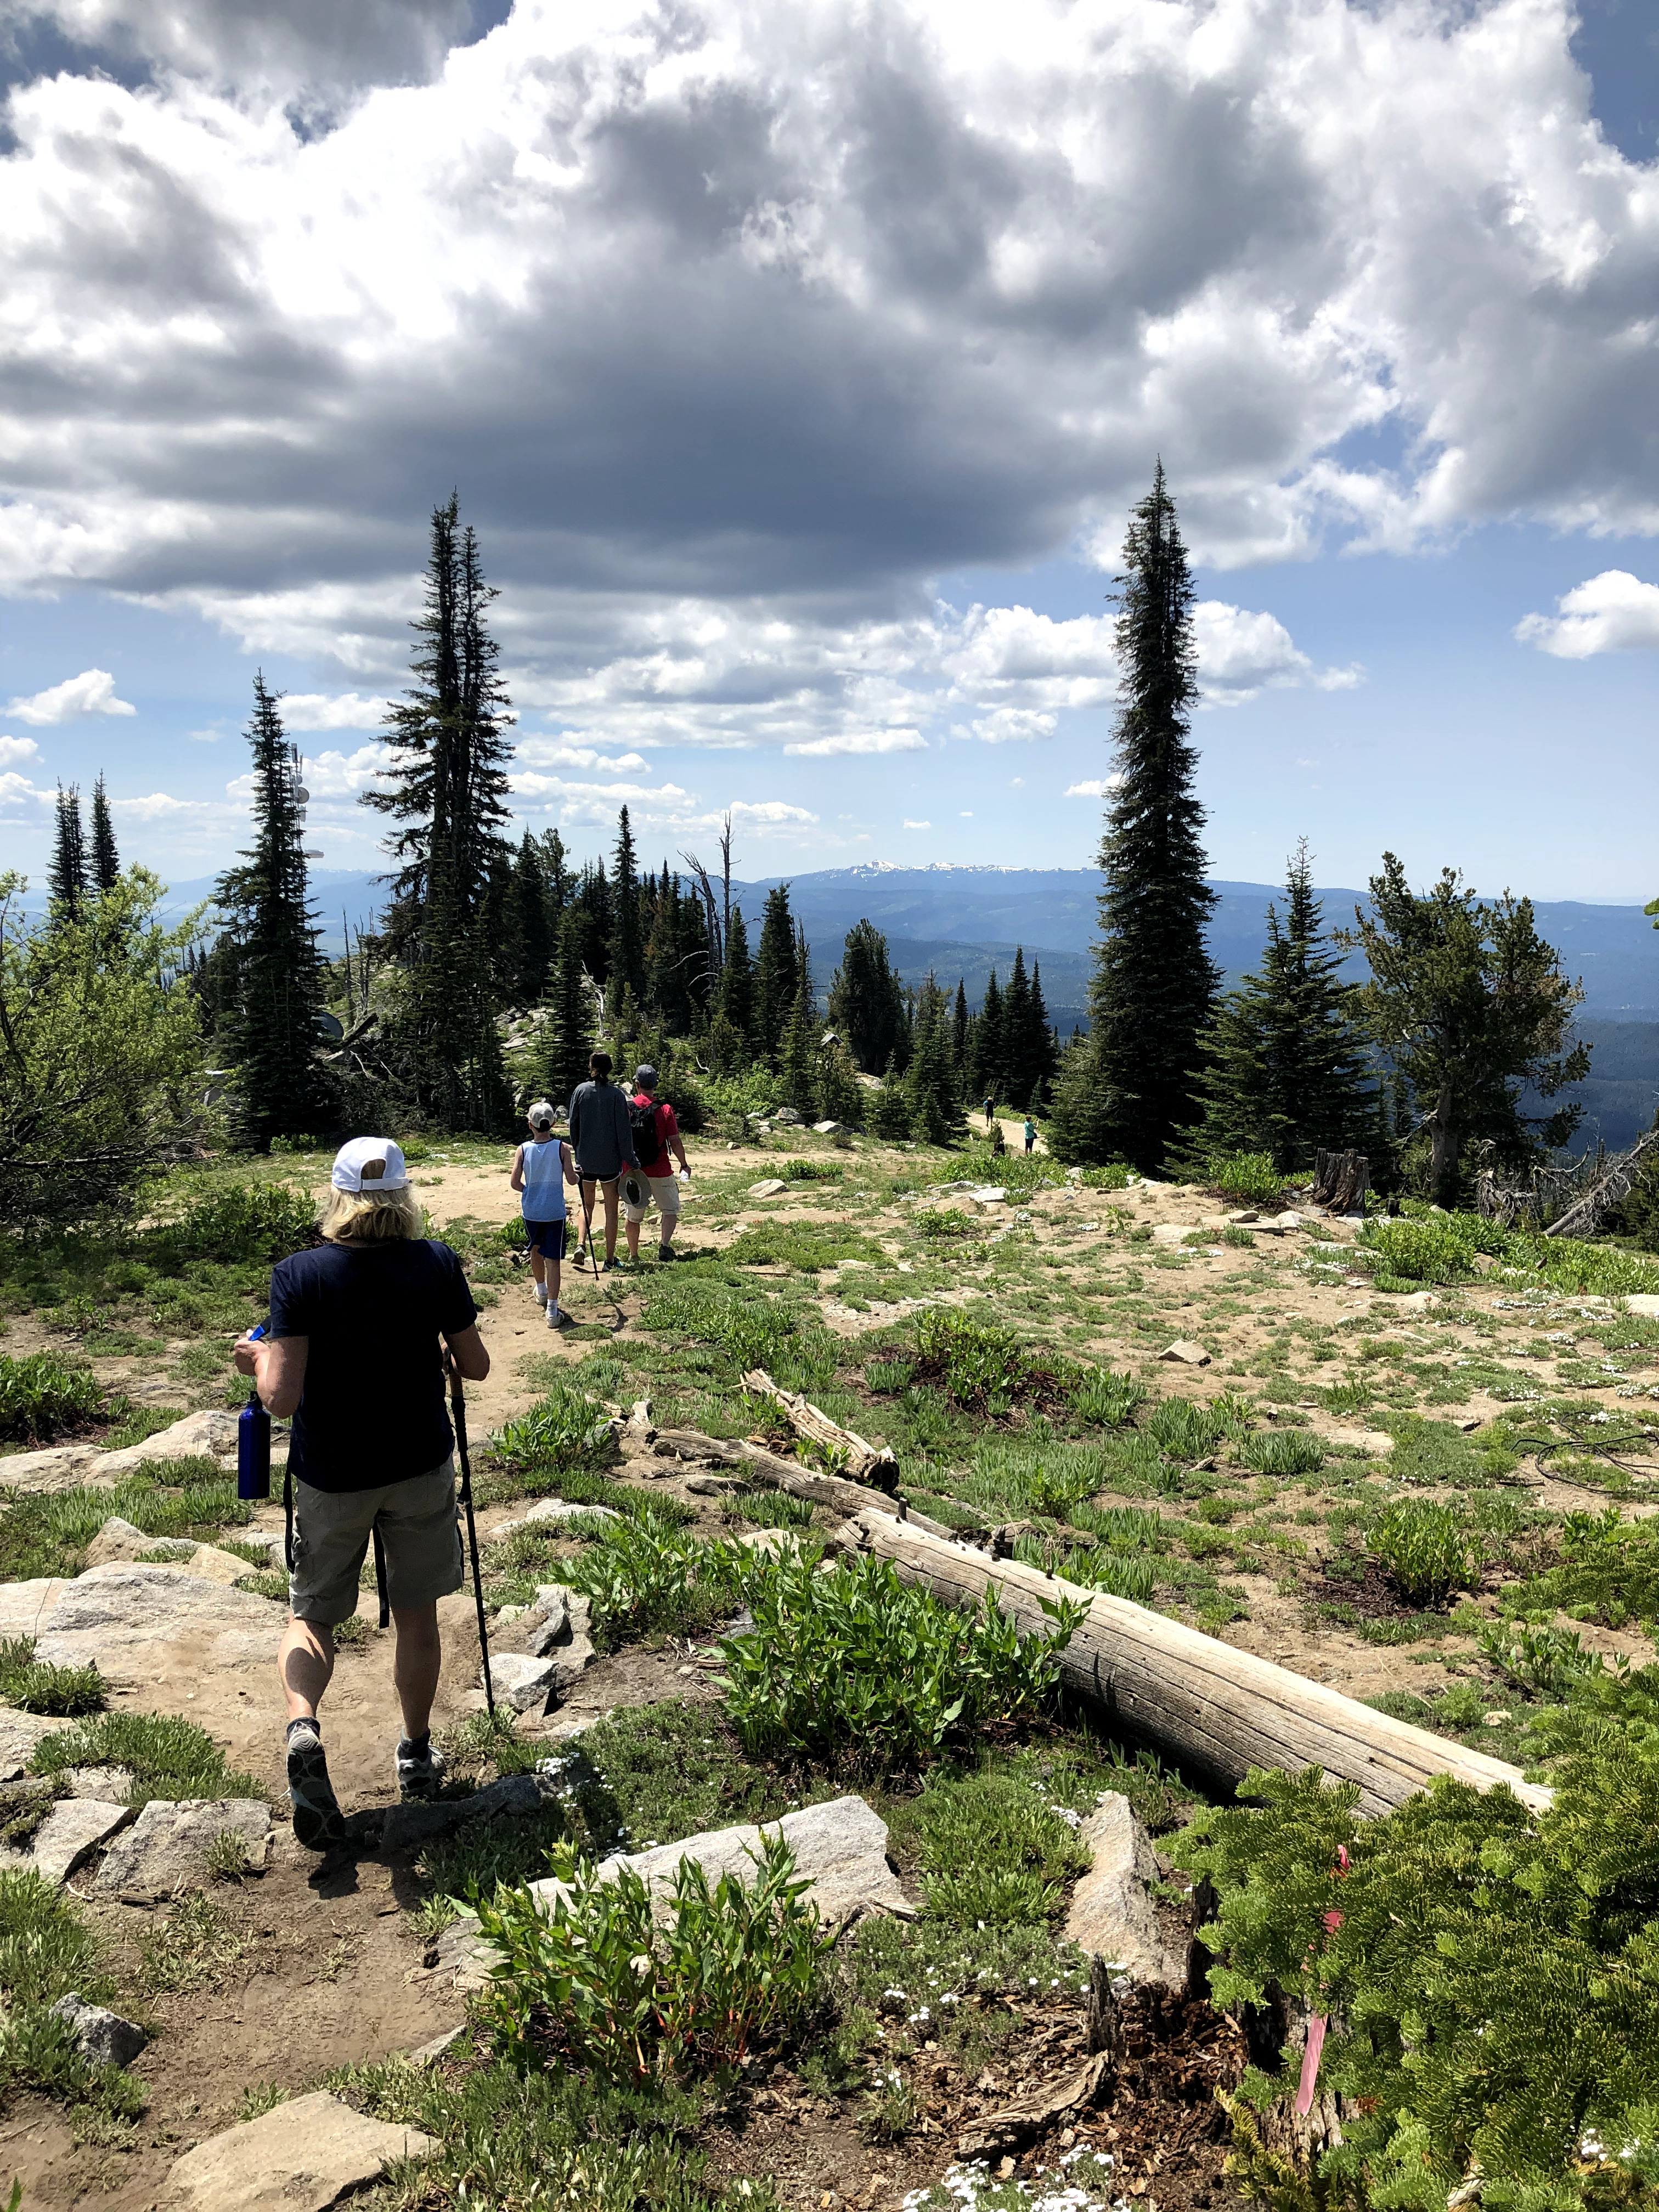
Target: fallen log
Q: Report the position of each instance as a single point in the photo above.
(1583, 1217)
(833, 1491)
(1217, 1709)
(864, 1461)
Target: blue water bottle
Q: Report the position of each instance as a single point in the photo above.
(254, 1443)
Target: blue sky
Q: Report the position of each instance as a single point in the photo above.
(798, 378)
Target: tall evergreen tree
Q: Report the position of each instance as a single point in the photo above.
(282, 1086)
(67, 873)
(867, 1002)
(1042, 1054)
(627, 961)
(1018, 1074)
(106, 861)
(959, 1038)
(990, 1051)
(732, 1037)
(1150, 997)
(777, 977)
(555, 881)
(1285, 1069)
(526, 955)
(931, 1088)
(798, 1056)
(569, 1031)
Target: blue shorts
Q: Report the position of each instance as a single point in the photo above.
(546, 1237)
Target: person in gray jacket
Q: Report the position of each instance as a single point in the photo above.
(602, 1139)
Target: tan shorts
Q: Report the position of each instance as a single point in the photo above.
(665, 1190)
(332, 1530)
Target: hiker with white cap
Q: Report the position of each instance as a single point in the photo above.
(541, 1170)
(354, 1353)
(656, 1134)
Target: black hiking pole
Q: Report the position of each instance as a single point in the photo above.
(457, 1407)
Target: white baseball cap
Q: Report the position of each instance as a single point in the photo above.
(369, 1163)
(541, 1115)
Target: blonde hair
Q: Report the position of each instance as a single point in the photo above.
(371, 1217)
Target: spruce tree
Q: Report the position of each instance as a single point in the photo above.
(990, 1057)
(777, 977)
(1018, 1075)
(797, 1055)
(731, 1034)
(68, 872)
(1151, 994)
(890, 1113)
(569, 1029)
(526, 953)
(284, 1088)
(1286, 1070)
(931, 1089)
(627, 960)
(106, 861)
(866, 1001)
(1040, 1054)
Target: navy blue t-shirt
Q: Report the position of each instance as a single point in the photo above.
(372, 1410)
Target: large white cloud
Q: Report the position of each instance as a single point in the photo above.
(12, 749)
(735, 326)
(92, 692)
(1613, 612)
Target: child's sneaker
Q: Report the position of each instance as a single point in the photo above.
(319, 1823)
(541, 1294)
(420, 1769)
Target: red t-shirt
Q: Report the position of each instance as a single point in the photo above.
(667, 1127)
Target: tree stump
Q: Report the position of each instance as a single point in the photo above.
(1340, 1181)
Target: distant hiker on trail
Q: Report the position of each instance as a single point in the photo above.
(656, 1134)
(354, 1355)
(541, 1170)
(1030, 1132)
(990, 1111)
(602, 1136)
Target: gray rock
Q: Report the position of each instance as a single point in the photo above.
(210, 1433)
(787, 1116)
(118, 1540)
(841, 1852)
(112, 1613)
(430, 2053)
(826, 1128)
(1112, 1913)
(519, 1679)
(19, 1733)
(990, 1194)
(25, 1605)
(561, 1508)
(112, 1784)
(165, 1849)
(570, 1662)
(578, 1609)
(102, 2037)
(770, 1187)
(953, 1189)
(1186, 1353)
(301, 2156)
(72, 1829)
(411, 1827)
(59, 1467)
(1638, 1302)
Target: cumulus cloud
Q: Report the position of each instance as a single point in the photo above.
(1240, 653)
(1096, 788)
(159, 805)
(917, 825)
(1613, 612)
(856, 742)
(558, 752)
(16, 792)
(330, 775)
(92, 692)
(321, 710)
(12, 749)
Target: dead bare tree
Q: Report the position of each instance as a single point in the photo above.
(1586, 1214)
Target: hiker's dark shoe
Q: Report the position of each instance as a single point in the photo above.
(319, 1823)
(665, 1251)
(420, 1769)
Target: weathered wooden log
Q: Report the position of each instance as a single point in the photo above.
(1583, 1217)
(1217, 1709)
(864, 1461)
(833, 1491)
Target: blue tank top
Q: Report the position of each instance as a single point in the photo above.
(542, 1196)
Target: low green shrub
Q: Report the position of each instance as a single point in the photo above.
(564, 1430)
(42, 1397)
(1106, 1400)
(1183, 1429)
(863, 1672)
(1283, 1452)
(601, 1985)
(889, 1373)
(1115, 1176)
(1609, 1571)
(994, 1852)
(1248, 1178)
(48, 1533)
(35, 1688)
(811, 1170)
(168, 1758)
(808, 1246)
(979, 1364)
(1486, 1969)
(1435, 1249)
(1426, 1550)
(257, 1221)
(743, 1331)
(649, 1576)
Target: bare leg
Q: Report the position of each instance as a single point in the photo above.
(633, 1229)
(552, 1282)
(415, 1667)
(538, 1265)
(610, 1190)
(304, 1664)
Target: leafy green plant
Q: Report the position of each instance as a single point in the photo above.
(889, 1373)
(168, 1758)
(1107, 1401)
(649, 1576)
(1181, 1429)
(36, 1687)
(1426, 1550)
(811, 1170)
(808, 1246)
(564, 1430)
(1248, 1178)
(48, 1533)
(41, 1398)
(1119, 1574)
(598, 1983)
(1545, 1660)
(1283, 1452)
(865, 1673)
(1434, 1248)
(259, 1221)
(1609, 1569)
(1484, 1967)
(978, 1364)
(46, 1950)
(1238, 1236)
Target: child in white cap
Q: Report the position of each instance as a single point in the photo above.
(541, 1170)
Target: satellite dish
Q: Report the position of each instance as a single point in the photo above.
(331, 1027)
(301, 793)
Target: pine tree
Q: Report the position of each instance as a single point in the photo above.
(935, 1103)
(68, 872)
(889, 1115)
(1286, 1070)
(284, 1088)
(798, 1056)
(106, 861)
(569, 1031)
(732, 1035)
(777, 977)
(990, 1057)
(555, 881)
(959, 1039)
(1040, 1054)
(1017, 1034)
(1153, 987)
(627, 960)
(526, 939)
(866, 1001)
(840, 1096)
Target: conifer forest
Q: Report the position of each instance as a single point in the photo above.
(1075, 1629)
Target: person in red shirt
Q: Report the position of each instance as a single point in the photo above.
(656, 1136)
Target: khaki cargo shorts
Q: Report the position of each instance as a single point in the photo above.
(331, 1531)
(665, 1190)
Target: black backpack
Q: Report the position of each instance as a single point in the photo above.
(643, 1121)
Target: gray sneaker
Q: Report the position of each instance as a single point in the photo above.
(319, 1823)
(420, 1769)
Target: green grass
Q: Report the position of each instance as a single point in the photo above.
(47, 1533)
(993, 1851)
(46, 1950)
(30, 1684)
(168, 1758)
(649, 1576)
(671, 1770)
(42, 1398)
